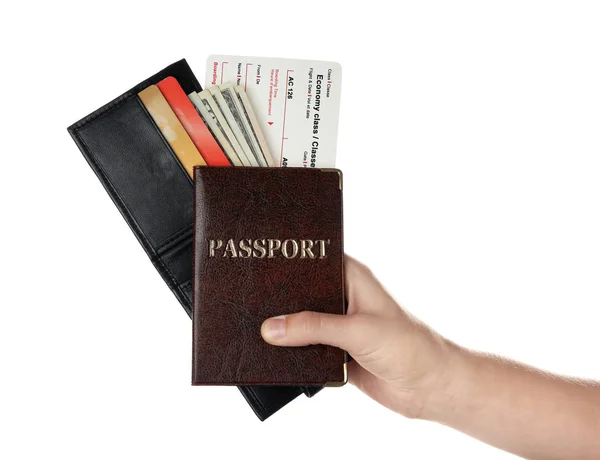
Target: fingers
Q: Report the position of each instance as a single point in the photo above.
(369, 312)
(308, 328)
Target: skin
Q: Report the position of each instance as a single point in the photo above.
(409, 368)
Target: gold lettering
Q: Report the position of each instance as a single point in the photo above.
(269, 248)
(244, 247)
(306, 247)
(231, 248)
(261, 249)
(285, 251)
(322, 247)
(274, 245)
(213, 247)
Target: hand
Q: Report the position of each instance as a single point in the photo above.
(407, 367)
(398, 361)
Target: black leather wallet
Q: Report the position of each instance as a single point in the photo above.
(145, 180)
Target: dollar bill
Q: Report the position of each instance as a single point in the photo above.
(215, 128)
(210, 103)
(234, 118)
(238, 111)
(249, 112)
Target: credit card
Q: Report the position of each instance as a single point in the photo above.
(296, 103)
(171, 128)
(190, 119)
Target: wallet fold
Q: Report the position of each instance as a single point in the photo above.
(153, 192)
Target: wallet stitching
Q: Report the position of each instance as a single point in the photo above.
(185, 284)
(130, 218)
(176, 238)
(103, 111)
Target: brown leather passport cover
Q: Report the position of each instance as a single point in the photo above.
(267, 242)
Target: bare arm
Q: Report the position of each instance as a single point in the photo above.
(520, 409)
(407, 367)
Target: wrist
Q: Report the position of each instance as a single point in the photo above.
(441, 400)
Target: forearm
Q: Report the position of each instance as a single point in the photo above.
(519, 409)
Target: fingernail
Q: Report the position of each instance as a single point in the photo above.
(274, 328)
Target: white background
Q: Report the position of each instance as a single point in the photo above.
(470, 148)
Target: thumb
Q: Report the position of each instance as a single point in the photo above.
(309, 328)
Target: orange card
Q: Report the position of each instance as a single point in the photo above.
(192, 122)
(171, 128)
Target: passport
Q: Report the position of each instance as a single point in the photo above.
(267, 242)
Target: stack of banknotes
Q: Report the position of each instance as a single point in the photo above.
(228, 114)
